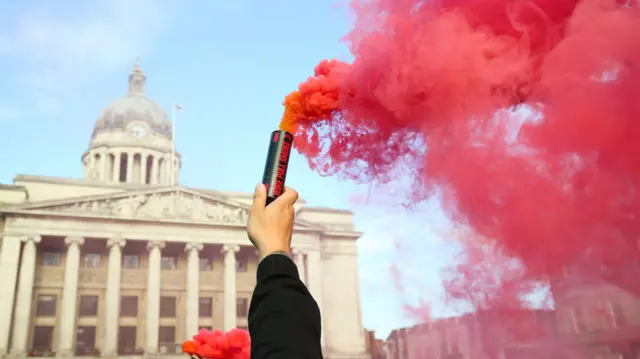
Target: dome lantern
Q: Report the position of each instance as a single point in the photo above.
(137, 80)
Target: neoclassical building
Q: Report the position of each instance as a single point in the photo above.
(123, 263)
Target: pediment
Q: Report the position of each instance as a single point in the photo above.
(173, 204)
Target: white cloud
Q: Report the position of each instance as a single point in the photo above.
(60, 51)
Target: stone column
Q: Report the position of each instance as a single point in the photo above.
(230, 314)
(193, 288)
(22, 312)
(154, 169)
(314, 278)
(92, 165)
(298, 258)
(69, 297)
(116, 166)
(112, 297)
(177, 170)
(130, 157)
(143, 168)
(104, 173)
(167, 170)
(85, 168)
(153, 295)
(9, 257)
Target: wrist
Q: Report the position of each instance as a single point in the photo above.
(267, 252)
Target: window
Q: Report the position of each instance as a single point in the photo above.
(46, 306)
(241, 265)
(242, 307)
(242, 327)
(51, 259)
(578, 320)
(206, 264)
(88, 305)
(209, 328)
(205, 307)
(167, 307)
(42, 338)
(85, 339)
(127, 340)
(130, 261)
(169, 263)
(167, 335)
(617, 312)
(128, 306)
(91, 260)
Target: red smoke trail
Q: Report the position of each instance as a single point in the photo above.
(434, 84)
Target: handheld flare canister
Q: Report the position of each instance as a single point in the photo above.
(275, 170)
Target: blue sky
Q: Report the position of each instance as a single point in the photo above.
(229, 64)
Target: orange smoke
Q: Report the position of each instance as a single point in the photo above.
(316, 99)
(292, 108)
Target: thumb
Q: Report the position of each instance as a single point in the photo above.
(259, 198)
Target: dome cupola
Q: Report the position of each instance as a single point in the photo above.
(135, 106)
(132, 140)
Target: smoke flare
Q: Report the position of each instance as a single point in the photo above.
(521, 115)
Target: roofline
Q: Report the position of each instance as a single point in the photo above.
(81, 181)
(12, 187)
(326, 210)
(135, 186)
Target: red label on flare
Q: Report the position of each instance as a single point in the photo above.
(283, 162)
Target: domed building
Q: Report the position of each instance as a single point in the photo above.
(132, 140)
(127, 262)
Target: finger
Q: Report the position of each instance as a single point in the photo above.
(259, 199)
(288, 198)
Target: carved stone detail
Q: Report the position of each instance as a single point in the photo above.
(154, 244)
(74, 240)
(175, 205)
(193, 246)
(35, 239)
(230, 248)
(298, 251)
(116, 241)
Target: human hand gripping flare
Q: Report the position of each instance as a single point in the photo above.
(270, 227)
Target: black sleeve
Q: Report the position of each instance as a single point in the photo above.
(284, 319)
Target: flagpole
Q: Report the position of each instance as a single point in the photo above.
(173, 145)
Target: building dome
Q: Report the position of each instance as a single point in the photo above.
(132, 141)
(135, 106)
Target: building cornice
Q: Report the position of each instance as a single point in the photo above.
(325, 210)
(83, 182)
(12, 187)
(131, 145)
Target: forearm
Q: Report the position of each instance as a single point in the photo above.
(284, 319)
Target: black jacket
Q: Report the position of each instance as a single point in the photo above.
(284, 319)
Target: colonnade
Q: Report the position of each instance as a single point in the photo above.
(136, 166)
(25, 275)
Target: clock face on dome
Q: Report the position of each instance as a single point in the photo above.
(138, 131)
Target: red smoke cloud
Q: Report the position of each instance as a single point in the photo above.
(206, 344)
(434, 85)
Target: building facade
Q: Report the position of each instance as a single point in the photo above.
(375, 347)
(592, 319)
(124, 261)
